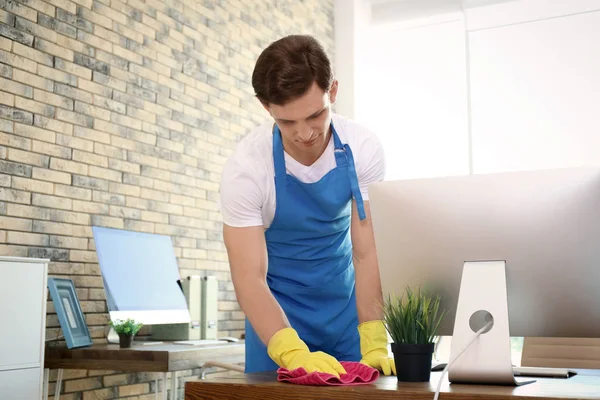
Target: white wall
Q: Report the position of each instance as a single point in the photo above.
(499, 87)
(351, 19)
(535, 90)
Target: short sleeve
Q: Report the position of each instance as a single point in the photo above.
(241, 199)
(371, 167)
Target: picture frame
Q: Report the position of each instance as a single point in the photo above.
(70, 315)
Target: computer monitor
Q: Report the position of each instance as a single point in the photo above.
(141, 276)
(523, 246)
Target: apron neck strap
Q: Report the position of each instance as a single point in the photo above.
(278, 156)
(278, 151)
(342, 152)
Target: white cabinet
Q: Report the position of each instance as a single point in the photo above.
(415, 99)
(21, 384)
(23, 293)
(535, 94)
(495, 86)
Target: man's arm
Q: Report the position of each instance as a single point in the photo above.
(369, 298)
(371, 328)
(247, 254)
(248, 261)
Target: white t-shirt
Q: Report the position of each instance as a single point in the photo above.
(248, 185)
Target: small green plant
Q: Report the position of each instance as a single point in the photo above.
(414, 318)
(127, 327)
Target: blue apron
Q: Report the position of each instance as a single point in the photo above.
(310, 270)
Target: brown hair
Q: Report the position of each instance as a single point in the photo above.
(287, 68)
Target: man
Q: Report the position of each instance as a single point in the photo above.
(297, 225)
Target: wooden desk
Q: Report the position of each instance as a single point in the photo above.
(166, 358)
(585, 385)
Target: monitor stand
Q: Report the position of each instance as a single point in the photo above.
(482, 298)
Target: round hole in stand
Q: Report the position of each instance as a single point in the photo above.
(479, 319)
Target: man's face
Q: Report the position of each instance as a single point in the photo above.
(304, 123)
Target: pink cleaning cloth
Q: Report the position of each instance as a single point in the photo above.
(356, 374)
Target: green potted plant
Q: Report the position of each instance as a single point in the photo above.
(126, 330)
(412, 321)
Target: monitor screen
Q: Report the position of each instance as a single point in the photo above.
(545, 224)
(140, 275)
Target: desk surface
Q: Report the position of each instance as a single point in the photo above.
(585, 385)
(165, 357)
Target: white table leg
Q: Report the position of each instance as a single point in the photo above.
(174, 385)
(155, 387)
(46, 383)
(164, 391)
(58, 384)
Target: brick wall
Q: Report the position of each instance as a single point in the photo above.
(121, 114)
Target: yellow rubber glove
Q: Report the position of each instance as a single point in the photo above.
(289, 351)
(374, 347)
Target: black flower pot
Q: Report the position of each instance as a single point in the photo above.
(413, 361)
(125, 340)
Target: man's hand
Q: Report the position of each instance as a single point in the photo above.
(374, 347)
(289, 351)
